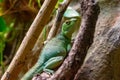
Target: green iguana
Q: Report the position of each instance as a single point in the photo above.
(54, 52)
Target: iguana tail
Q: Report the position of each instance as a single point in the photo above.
(37, 68)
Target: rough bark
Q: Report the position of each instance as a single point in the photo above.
(27, 44)
(67, 71)
(103, 59)
(98, 64)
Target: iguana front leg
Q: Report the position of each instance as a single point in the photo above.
(52, 63)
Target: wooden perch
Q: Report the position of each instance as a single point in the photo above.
(101, 61)
(28, 42)
(72, 63)
(61, 9)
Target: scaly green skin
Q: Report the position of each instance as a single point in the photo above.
(54, 51)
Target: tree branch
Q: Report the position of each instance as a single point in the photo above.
(27, 44)
(101, 61)
(61, 9)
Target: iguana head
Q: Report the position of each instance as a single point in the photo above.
(68, 27)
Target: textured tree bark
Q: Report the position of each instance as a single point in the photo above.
(103, 59)
(67, 71)
(99, 62)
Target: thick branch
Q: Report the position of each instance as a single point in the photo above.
(99, 62)
(67, 71)
(27, 44)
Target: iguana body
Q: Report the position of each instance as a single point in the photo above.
(54, 51)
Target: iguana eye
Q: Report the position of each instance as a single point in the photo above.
(67, 22)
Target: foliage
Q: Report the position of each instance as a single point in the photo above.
(39, 3)
(1, 0)
(14, 15)
(59, 1)
(3, 31)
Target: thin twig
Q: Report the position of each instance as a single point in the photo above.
(61, 9)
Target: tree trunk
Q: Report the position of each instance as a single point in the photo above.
(103, 59)
(99, 62)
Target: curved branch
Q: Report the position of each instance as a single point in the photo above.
(28, 42)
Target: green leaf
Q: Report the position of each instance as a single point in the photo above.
(3, 25)
(70, 13)
(39, 4)
(3, 28)
(59, 1)
(1, 0)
